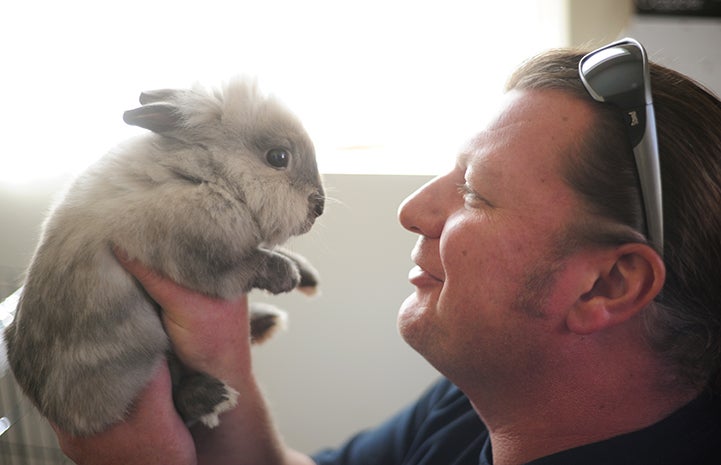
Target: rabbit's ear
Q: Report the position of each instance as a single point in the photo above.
(158, 95)
(158, 117)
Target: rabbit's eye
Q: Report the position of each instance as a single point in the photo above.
(278, 158)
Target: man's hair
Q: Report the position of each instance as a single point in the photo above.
(684, 321)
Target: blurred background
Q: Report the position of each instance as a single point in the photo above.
(389, 90)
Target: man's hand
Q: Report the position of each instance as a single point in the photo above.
(207, 334)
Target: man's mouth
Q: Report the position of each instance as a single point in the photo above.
(420, 277)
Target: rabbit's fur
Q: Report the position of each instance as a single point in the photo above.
(204, 199)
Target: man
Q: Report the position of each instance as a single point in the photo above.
(567, 333)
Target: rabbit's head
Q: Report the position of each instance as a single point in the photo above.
(248, 144)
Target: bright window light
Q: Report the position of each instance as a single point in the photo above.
(383, 86)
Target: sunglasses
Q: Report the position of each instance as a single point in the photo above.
(619, 74)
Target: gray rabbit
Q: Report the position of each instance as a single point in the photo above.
(206, 198)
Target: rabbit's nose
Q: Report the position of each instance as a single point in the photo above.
(317, 201)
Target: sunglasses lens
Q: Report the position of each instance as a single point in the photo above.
(616, 75)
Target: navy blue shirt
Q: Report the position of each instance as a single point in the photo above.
(442, 428)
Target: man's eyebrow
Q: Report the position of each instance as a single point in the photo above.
(479, 165)
(473, 148)
(462, 158)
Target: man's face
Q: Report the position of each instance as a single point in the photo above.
(488, 294)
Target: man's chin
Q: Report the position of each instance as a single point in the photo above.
(414, 319)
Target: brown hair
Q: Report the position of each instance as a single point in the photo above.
(684, 322)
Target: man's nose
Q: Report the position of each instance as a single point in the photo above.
(424, 211)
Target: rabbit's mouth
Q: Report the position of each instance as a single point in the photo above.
(316, 205)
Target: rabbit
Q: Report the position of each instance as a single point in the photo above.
(206, 198)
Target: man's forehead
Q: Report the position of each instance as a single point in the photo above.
(491, 142)
(540, 124)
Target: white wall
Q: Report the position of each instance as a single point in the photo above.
(689, 45)
(595, 23)
(342, 366)
(22, 209)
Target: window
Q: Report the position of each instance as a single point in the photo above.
(383, 86)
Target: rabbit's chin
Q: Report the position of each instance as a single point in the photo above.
(305, 226)
(277, 238)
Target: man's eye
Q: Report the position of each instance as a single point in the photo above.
(465, 191)
(471, 197)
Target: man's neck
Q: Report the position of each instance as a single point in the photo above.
(542, 420)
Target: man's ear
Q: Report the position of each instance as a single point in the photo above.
(622, 282)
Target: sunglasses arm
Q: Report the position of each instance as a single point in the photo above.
(650, 174)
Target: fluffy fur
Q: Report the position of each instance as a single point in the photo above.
(204, 199)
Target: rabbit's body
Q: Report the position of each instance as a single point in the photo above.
(203, 203)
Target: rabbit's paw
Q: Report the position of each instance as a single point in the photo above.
(280, 274)
(211, 420)
(200, 397)
(265, 320)
(309, 279)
